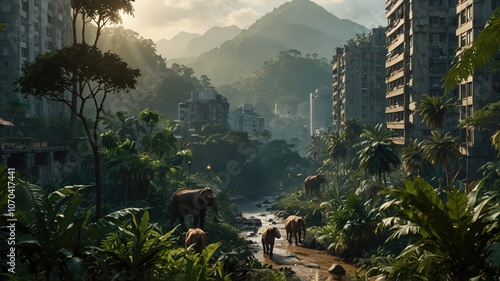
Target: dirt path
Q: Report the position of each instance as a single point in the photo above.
(308, 264)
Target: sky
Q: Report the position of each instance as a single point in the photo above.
(157, 19)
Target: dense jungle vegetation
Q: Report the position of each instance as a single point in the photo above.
(398, 212)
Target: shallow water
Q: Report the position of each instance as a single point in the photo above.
(298, 258)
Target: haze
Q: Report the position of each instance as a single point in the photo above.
(155, 19)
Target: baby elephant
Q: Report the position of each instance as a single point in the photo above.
(197, 237)
(268, 236)
(295, 225)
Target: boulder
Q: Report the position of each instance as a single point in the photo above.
(336, 269)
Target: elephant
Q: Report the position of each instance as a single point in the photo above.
(295, 225)
(196, 237)
(268, 236)
(187, 201)
(312, 183)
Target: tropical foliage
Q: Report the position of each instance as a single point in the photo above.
(434, 109)
(450, 238)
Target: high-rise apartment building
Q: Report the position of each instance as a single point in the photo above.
(420, 46)
(358, 81)
(478, 90)
(205, 107)
(245, 119)
(31, 28)
(321, 107)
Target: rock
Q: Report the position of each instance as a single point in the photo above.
(282, 214)
(313, 265)
(336, 269)
(251, 234)
(266, 202)
(263, 215)
(254, 222)
(269, 220)
(258, 205)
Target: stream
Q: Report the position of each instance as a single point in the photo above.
(308, 264)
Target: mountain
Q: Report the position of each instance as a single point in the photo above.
(210, 39)
(300, 24)
(174, 47)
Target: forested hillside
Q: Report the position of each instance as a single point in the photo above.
(286, 80)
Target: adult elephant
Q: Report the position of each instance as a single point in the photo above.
(193, 201)
(197, 238)
(295, 225)
(312, 183)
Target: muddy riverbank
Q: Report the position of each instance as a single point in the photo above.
(308, 264)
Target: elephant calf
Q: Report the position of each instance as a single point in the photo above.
(268, 236)
(197, 237)
(295, 225)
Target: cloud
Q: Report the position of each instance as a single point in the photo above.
(242, 17)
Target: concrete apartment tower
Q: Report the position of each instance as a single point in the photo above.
(478, 90)
(205, 107)
(420, 46)
(358, 81)
(320, 102)
(31, 28)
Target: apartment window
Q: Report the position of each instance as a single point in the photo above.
(5, 51)
(24, 6)
(4, 81)
(24, 52)
(494, 4)
(463, 39)
(48, 31)
(49, 19)
(5, 64)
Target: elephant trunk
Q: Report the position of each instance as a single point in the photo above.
(216, 211)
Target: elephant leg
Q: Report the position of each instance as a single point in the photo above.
(295, 235)
(183, 224)
(271, 246)
(203, 213)
(196, 219)
(289, 237)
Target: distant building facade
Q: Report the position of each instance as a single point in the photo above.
(205, 107)
(421, 45)
(31, 28)
(321, 107)
(245, 119)
(478, 90)
(358, 81)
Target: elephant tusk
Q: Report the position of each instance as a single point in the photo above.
(218, 218)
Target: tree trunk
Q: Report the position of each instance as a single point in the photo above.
(97, 172)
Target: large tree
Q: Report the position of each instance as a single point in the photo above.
(52, 76)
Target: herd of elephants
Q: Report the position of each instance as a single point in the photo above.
(194, 202)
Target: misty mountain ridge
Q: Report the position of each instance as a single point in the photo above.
(299, 24)
(186, 44)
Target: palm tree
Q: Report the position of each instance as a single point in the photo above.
(479, 54)
(352, 129)
(337, 149)
(442, 150)
(433, 109)
(16, 107)
(414, 161)
(378, 152)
